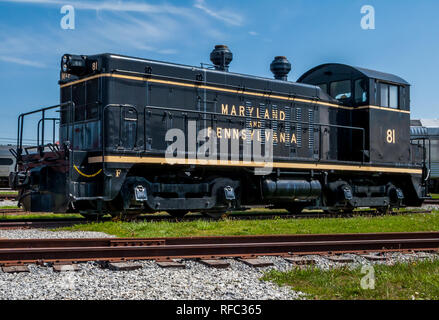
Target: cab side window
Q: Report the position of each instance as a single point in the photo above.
(389, 96)
(361, 95)
(393, 97)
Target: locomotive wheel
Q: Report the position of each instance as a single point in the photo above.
(89, 210)
(178, 213)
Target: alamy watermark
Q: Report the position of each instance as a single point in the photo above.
(368, 281)
(68, 20)
(68, 278)
(368, 18)
(221, 146)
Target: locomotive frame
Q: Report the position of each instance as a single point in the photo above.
(115, 112)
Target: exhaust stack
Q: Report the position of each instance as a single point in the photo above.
(280, 68)
(221, 57)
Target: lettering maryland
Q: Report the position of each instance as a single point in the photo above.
(256, 118)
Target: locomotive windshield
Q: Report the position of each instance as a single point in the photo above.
(346, 90)
(360, 87)
(341, 90)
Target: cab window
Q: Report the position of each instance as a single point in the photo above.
(360, 91)
(393, 97)
(324, 87)
(389, 96)
(341, 90)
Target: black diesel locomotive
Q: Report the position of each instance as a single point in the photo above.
(340, 139)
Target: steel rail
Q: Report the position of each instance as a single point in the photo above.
(8, 196)
(431, 201)
(10, 211)
(52, 250)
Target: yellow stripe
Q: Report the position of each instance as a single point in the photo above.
(235, 91)
(285, 165)
(86, 175)
(85, 79)
(384, 109)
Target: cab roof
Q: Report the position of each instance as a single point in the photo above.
(338, 68)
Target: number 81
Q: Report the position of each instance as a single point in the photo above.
(391, 136)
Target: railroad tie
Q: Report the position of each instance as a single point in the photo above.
(15, 269)
(373, 257)
(170, 264)
(65, 267)
(340, 259)
(215, 263)
(301, 261)
(257, 263)
(123, 266)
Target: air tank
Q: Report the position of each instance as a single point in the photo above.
(286, 189)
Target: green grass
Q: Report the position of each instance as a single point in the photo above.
(39, 216)
(9, 192)
(398, 223)
(402, 281)
(8, 207)
(435, 195)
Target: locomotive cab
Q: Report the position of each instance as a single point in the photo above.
(375, 101)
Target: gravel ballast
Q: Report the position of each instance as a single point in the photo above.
(149, 282)
(196, 281)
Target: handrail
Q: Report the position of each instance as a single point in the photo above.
(219, 116)
(22, 115)
(19, 147)
(363, 131)
(42, 134)
(253, 118)
(426, 170)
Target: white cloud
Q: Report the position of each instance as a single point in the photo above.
(126, 27)
(117, 6)
(228, 17)
(253, 33)
(23, 62)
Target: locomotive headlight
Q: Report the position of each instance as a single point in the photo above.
(73, 64)
(64, 61)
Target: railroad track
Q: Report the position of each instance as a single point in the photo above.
(65, 222)
(8, 196)
(12, 211)
(432, 201)
(40, 223)
(23, 251)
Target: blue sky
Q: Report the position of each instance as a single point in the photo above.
(405, 41)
